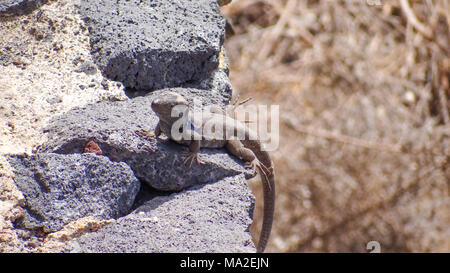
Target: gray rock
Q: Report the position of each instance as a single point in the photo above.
(62, 188)
(157, 44)
(159, 162)
(19, 7)
(217, 83)
(205, 97)
(87, 67)
(210, 218)
(7, 4)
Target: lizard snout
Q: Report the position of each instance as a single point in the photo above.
(166, 102)
(155, 102)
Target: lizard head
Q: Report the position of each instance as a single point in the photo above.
(166, 102)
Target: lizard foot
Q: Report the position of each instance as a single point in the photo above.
(256, 165)
(145, 134)
(190, 158)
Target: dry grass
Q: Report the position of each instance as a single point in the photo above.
(364, 119)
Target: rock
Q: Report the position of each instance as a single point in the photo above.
(19, 7)
(11, 202)
(117, 128)
(45, 84)
(218, 83)
(216, 88)
(87, 67)
(61, 188)
(56, 242)
(51, 61)
(157, 44)
(210, 218)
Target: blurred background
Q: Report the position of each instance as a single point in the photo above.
(363, 89)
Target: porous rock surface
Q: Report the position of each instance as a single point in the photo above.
(66, 68)
(17, 7)
(205, 218)
(59, 189)
(157, 44)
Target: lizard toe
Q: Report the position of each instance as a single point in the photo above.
(249, 165)
(199, 161)
(189, 158)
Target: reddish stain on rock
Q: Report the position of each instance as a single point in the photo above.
(92, 147)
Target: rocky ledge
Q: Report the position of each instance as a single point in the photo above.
(80, 171)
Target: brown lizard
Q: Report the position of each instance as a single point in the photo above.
(191, 129)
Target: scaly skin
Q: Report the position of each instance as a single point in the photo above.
(247, 148)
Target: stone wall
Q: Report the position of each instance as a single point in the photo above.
(74, 72)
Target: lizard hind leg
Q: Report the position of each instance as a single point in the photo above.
(256, 165)
(236, 148)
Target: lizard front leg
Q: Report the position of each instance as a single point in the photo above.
(158, 130)
(192, 154)
(194, 145)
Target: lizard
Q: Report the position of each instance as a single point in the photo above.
(184, 129)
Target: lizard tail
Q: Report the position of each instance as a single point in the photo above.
(268, 182)
(265, 169)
